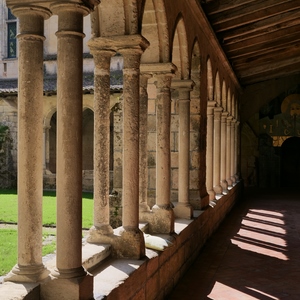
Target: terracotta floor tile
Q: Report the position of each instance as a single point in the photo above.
(254, 254)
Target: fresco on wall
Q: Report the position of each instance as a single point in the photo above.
(280, 119)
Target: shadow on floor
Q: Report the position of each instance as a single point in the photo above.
(254, 254)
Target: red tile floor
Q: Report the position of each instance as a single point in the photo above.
(255, 253)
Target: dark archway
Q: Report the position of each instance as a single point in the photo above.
(290, 162)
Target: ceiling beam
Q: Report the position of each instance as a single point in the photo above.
(262, 27)
(279, 36)
(252, 17)
(218, 6)
(285, 43)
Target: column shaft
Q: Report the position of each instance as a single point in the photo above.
(102, 140)
(163, 150)
(223, 152)
(233, 152)
(217, 152)
(143, 171)
(209, 149)
(69, 139)
(131, 78)
(183, 209)
(30, 144)
(228, 151)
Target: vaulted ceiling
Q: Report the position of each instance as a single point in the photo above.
(261, 38)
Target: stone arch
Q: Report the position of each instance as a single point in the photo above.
(210, 85)
(224, 95)
(180, 56)
(154, 29)
(217, 90)
(115, 18)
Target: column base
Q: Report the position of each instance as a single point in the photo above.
(27, 274)
(229, 184)
(218, 192)
(69, 273)
(183, 211)
(163, 219)
(144, 207)
(130, 244)
(100, 234)
(211, 194)
(65, 289)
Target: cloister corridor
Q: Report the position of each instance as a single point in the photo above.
(254, 254)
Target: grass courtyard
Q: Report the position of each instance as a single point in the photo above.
(9, 215)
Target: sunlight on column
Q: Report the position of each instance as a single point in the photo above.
(263, 232)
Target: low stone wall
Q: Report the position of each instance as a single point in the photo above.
(155, 277)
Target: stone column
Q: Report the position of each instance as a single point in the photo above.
(210, 149)
(29, 267)
(184, 209)
(163, 208)
(217, 152)
(237, 144)
(224, 183)
(46, 149)
(228, 152)
(131, 94)
(101, 145)
(69, 139)
(143, 171)
(233, 152)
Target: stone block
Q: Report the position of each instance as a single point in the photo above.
(153, 286)
(174, 159)
(151, 121)
(151, 141)
(152, 178)
(151, 106)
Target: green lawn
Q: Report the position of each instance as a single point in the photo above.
(9, 214)
(8, 248)
(9, 210)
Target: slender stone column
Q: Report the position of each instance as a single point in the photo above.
(228, 152)
(101, 144)
(210, 149)
(130, 185)
(237, 138)
(46, 149)
(184, 209)
(217, 152)
(143, 171)
(69, 139)
(233, 152)
(131, 93)
(163, 208)
(224, 183)
(29, 267)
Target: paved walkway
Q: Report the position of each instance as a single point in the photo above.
(255, 254)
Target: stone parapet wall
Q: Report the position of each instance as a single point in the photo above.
(159, 273)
